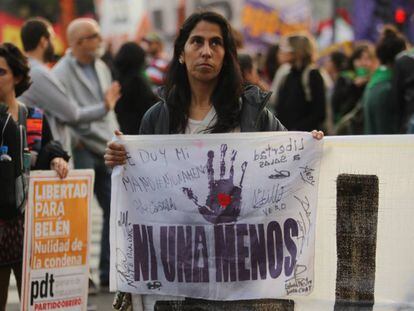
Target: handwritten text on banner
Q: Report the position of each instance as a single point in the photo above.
(223, 216)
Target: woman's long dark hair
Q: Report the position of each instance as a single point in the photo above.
(129, 60)
(226, 95)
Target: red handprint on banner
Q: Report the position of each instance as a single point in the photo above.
(223, 202)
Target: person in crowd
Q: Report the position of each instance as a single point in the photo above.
(348, 107)
(108, 56)
(48, 93)
(203, 94)
(157, 61)
(238, 40)
(87, 79)
(137, 95)
(336, 66)
(299, 89)
(271, 62)
(361, 63)
(380, 112)
(249, 72)
(403, 90)
(45, 154)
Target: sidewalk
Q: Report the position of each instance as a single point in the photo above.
(100, 301)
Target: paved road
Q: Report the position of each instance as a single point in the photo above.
(101, 301)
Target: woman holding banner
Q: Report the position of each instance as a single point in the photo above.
(24, 147)
(203, 94)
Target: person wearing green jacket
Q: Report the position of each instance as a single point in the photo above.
(380, 113)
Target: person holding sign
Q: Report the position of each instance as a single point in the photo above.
(28, 140)
(203, 94)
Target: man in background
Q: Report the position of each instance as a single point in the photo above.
(47, 93)
(86, 78)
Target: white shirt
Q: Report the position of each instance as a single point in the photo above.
(200, 127)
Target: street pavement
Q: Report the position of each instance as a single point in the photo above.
(102, 301)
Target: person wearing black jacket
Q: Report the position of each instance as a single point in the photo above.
(136, 95)
(349, 89)
(403, 90)
(20, 140)
(301, 96)
(254, 116)
(204, 94)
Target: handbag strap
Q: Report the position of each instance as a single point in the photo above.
(23, 112)
(4, 128)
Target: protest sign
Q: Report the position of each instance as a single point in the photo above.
(57, 237)
(223, 216)
(363, 246)
(122, 21)
(364, 255)
(264, 21)
(261, 22)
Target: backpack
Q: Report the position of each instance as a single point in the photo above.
(280, 78)
(14, 173)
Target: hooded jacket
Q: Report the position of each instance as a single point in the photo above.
(254, 117)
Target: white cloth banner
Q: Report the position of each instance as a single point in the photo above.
(221, 216)
(120, 18)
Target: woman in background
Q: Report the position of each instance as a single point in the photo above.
(136, 94)
(271, 62)
(380, 112)
(14, 80)
(362, 63)
(204, 94)
(299, 89)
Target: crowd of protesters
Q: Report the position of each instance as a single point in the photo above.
(367, 91)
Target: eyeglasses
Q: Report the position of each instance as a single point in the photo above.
(95, 35)
(3, 72)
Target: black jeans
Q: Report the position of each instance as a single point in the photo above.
(5, 272)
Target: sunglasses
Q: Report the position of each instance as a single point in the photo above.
(3, 72)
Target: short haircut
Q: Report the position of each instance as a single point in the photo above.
(32, 31)
(18, 65)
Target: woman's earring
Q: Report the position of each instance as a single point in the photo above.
(181, 60)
